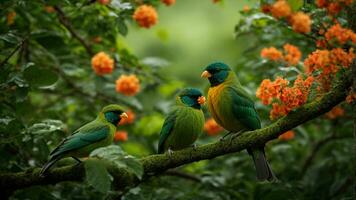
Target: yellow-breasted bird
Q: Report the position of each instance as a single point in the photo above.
(95, 134)
(184, 123)
(233, 109)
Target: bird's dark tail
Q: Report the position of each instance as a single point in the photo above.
(49, 164)
(263, 169)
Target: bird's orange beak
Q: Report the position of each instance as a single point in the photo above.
(201, 100)
(124, 115)
(205, 74)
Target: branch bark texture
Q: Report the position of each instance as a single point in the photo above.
(157, 164)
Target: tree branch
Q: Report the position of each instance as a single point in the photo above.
(157, 164)
(63, 19)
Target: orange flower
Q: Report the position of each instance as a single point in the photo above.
(287, 135)
(102, 63)
(211, 127)
(333, 7)
(281, 9)
(216, 1)
(130, 118)
(103, 2)
(287, 97)
(49, 9)
(329, 62)
(97, 39)
(128, 85)
(278, 110)
(301, 22)
(293, 54)
(265, 8)
(271, 53)
(120, 136)
(146, 16)
(341, 35)
(246, 8)
(168, 2)
(269, 90)
(351, 97)
(321, 3)
(336, 112)
(10, 18)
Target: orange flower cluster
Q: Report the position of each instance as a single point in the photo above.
(212, 128)
(281, 9)
(246, 8)
(103, 2)
(120, 136)
(328, 61)
(97, 39)
(287, 98)
(333, 7)
(146, 16)
(287, 135)
(351, 97)
(168, 2)
(336, 112)
(130, 118)
(271, 53)
(10, 18)
(341, 35)
(128, 85)
(292, 54)
(269, 90)
(102, 63)
(49, 9)
(299, 21)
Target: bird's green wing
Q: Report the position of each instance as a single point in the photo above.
(88, 134)
(166, 129)
(243, 108)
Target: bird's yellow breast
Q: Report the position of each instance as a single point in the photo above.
(214, 95)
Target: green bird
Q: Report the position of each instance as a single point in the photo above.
(95, 134)
(233, 109)
(184, 123)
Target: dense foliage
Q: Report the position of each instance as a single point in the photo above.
(62, 61)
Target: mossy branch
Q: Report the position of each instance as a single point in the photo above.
(157, 164)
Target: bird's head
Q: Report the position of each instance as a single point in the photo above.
(191, 97)
(113, 113)
(216, 73)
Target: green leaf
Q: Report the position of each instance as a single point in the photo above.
(108, 152)
(97, 176)
(120, 158)
(123, 30)
(40, 77)
(295, 4)
(46, 126)
(131, 163)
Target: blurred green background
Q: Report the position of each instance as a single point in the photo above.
(190, 35)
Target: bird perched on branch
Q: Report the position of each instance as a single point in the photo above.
(184, 123)
(95, 134)
(233, 109)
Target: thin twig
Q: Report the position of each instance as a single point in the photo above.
(316, 149)
(12, 53)
(64, 20)
(182, 175)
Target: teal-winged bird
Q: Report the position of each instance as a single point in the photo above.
(232, 108)
(184, 123)
(97, 133)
